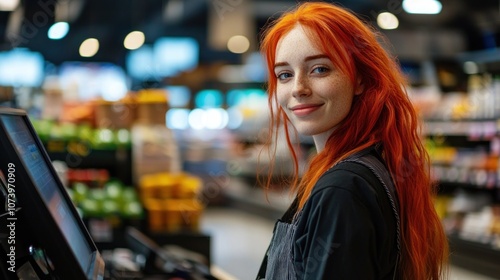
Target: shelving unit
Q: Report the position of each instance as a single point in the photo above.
(484, 129)
(474, 256)
(469, 139)
(117, 161)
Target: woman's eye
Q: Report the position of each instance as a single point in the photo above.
(283, 76)
(320, 69)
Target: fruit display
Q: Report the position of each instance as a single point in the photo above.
(61, 136)
(113, 199)
(111, 121)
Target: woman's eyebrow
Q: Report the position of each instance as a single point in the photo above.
(307, 58)
(279, 64)
(314, 57)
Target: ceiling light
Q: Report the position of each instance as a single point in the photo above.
(58, 30)
(387, 20)
(238, 44)
(89, 47)
(422, 6)
(134, 40)
(8, 5)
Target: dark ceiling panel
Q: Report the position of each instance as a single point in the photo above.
(110, 20)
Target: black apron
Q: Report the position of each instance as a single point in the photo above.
(278, 261)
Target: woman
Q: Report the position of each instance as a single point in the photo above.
(364, 206)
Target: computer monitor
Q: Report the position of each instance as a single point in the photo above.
(46, 210)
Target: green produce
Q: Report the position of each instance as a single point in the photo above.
(103, 139)
(122, 137)
(90, 208)
(132, 209)
(80, 192)
(113, 190)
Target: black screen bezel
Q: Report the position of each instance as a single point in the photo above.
(45, 232)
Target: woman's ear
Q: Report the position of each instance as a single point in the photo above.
(360, 87)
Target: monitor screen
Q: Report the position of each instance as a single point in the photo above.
(46, 185)
(43, 193)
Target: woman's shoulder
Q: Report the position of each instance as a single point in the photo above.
(350, 177)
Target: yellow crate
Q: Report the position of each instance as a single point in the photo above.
(173, 215)
(156, 219)
(185, 214)
(170, 186)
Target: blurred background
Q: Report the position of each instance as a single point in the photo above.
(155, 115)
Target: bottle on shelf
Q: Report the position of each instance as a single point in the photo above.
(496, 94)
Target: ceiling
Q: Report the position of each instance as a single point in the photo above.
(110, 20)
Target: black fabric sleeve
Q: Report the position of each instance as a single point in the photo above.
(336, 236)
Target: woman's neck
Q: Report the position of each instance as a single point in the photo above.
(320, 139)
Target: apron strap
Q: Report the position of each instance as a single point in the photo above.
(378, 168)
(287, 217)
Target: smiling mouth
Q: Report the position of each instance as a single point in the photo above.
(304, 110)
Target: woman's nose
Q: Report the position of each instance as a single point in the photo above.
(301, 86)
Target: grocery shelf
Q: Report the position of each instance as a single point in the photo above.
(475, 256)
(116, 161)
(473, 129)
(450, 185)
(470, 170)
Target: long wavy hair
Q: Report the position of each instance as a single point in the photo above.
(382, 113)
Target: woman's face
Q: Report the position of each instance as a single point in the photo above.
(315, 95)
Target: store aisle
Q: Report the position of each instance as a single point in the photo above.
(239, 240)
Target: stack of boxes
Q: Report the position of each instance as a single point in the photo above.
(117, 114)
(154, 148)
(146, 107)
(172, 201)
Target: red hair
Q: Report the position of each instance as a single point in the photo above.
(382, 114)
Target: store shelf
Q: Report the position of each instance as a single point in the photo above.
(472, 129)
(451, 187)
(117, 161)
(475, 256)
(461, 177)
(465, 158)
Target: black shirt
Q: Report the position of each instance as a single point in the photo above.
(347, 228)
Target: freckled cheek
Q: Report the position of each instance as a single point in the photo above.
(281, 98)
(345, 104)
